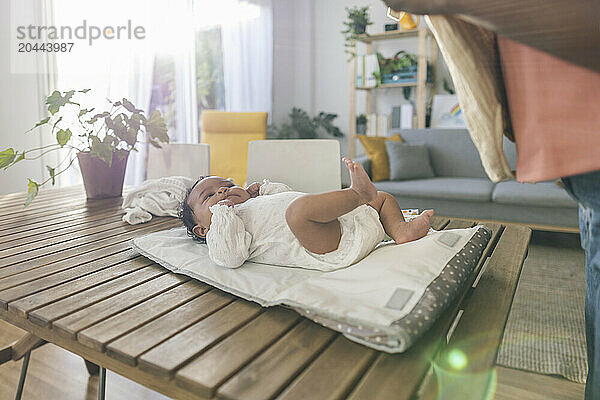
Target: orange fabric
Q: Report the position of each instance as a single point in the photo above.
(554, 108)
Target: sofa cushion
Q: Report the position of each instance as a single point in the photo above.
(408, 161)
(467, 189)
(541, 194)
(375, 149)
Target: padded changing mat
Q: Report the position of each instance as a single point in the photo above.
(385, 301)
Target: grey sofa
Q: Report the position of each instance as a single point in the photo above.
(461, 188)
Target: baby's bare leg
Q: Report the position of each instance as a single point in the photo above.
(393, 221)
(313, 218)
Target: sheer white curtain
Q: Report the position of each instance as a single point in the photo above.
(112, 69)
(248, 61)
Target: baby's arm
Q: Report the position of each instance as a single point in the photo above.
(227, 239)
(269, 187)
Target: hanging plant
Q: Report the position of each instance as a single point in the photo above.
(356, 24)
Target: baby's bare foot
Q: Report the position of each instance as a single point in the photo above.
(413, 230)
(360, 181)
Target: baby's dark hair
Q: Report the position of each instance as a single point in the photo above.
(186, 214)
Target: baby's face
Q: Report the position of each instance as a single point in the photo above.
(208, 192)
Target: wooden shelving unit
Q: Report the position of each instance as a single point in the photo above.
(422, 34)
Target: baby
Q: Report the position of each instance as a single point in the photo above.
(269, 223)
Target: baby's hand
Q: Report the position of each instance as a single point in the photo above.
(226, 202)
(253, 189)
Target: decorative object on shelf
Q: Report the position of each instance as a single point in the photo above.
(406, 116)
(401, 68)
(356, 24)
(367, 70)
(302, 126)
(448, 87)
(378, 125)
(396, 117)
(101, 142)
(390, 27)
(405, 19)
(446, 112)
(361, 124)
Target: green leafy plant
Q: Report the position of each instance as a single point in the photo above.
(302, 126)
(448, 87)
(80, 130)
(361, 119)
(400, 61)
(356, 24)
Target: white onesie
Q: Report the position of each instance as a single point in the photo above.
(257, 231)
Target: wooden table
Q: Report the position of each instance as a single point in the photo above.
(68, 276)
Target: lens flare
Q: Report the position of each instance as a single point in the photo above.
(457, 359)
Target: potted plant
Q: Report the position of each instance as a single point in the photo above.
(361, 124)
(356, 24)
(302, 126)
(101, 142)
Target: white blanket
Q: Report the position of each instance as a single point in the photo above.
(376, 292)
(161, 197)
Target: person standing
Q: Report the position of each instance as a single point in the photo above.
(535, 79)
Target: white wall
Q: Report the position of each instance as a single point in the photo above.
(19, 111)
(310, 67)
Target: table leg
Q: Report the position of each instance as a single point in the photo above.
(102, 383)
(93, 369)
(23, 375)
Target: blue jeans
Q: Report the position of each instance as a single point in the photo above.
(585, 189)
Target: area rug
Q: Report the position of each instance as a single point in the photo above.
(545, 332)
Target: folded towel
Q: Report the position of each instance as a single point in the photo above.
(160, 197)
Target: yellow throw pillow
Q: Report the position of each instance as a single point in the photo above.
(376, 151)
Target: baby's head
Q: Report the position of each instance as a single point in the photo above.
(206, 192)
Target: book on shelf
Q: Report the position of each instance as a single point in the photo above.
(360, 70)
(371, 66)
(383, 125)
(372, 125)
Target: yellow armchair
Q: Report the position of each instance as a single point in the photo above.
(228, 134)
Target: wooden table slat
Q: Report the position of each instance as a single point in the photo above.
(457, 224)
(71, 324)
(17, 212)
(32, 295)
(488, 306)
(165, 358)
(96, 336)
(127, 348)
(43, 196)
(81, 250)
(43, 316)
(438, 223)
(56, 222)
(382, 379)
(206, 372)
(20, 214)
(43, 241)
(15, 275)
(40, 202)
(26, 217)
(268, 374)
(333, 374)
(70, 247)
